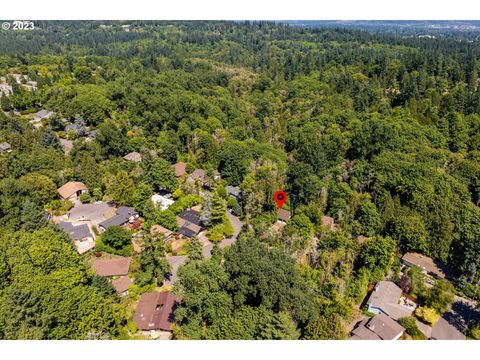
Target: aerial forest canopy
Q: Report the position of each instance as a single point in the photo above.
(378, 131)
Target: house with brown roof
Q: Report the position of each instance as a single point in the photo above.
(426, 263)
(380, 327)
(329, 223)
(158, 229)
(133, 156)
(198, 174)
(180, 169)
(155, 311)
(112, 267)
(72, 190)
(283, 215)
(386, 298)
(201, 176)
(121, 285)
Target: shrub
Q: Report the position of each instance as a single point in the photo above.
(216, 233)
(233, 204)
(85, 198)
(228, 227)
(430, 316)
(474, 332)
(411, 328)
(167, 219)
(59, 207)
(117, 237)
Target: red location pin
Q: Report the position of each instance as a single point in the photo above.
(280, 197)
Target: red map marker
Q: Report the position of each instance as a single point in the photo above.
(280, 197)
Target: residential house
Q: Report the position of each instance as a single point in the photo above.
(198, 174)
(133, 156)
(121, 285)
(67, 145)
(118, 266)
(189, 223)
(155, 311)
(158, 229)
(201, 176)
(90, 135)
(361, 239)
(162, 201)
(386, 299)
(380, 327)
(5, 90)
(329, 223)
(180, 169)
(42, 114)
(234, 191)
(18, 77)
(80, 234)
(5, 147)
(425, 263)
(72, 190)
(30, 85)
(443, 330)
(283, 215)
(124, 215)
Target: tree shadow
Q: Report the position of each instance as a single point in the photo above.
(461, 315)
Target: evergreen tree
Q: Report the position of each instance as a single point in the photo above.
(32, 217)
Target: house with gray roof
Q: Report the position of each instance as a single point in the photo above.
(124, 214)
(5, 147)
(42, 114)
(76, 232)
(380, 327)
(80, 234)
(234, 191)
(385, 298)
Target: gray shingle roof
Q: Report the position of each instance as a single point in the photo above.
(191, 216)
(5, 146)
(76, 232)
(123, 215)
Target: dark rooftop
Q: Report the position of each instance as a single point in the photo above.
(78, 232)
(123, 216)
(191, 216)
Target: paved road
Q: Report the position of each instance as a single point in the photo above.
(237, 227)
(175, 262)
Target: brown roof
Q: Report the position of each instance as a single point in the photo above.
(121, 284)
(133, 156)
(198, 174)
(361, 239)
(180, 169)
(426, 263)
(329, 223)
(283, 214)
(112, 267)
(155, 311)
(158, 229)
(71, 188)
(384, 327)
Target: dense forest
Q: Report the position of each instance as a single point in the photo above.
(379, 132)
